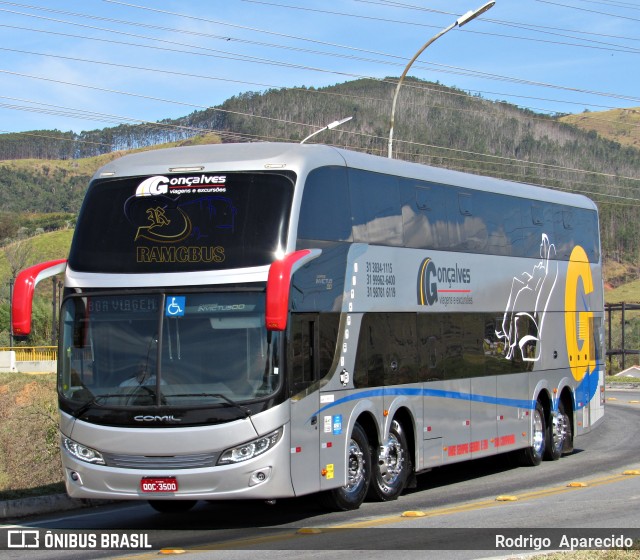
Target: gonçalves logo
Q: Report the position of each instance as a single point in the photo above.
(159, 184)
(427, 285)
(167, 418)
(430, 275)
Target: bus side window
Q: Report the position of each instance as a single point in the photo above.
(375, 203)
(328, 328)
(325, 210)
(452, 356)
(430, 348)
(424, 215)
(467, 229)
(502, 223)
(585, 232)
(302, 356)
(537, 221)
(387, 353)
(563, 232)
(576, 226)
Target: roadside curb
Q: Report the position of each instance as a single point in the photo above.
(39, 505)
(622, 386)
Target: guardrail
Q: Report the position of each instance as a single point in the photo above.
(33, 353)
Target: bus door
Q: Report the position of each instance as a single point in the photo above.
(305, 402)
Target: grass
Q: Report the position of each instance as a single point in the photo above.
(29, 455)
(628, 293)
(619, 125)
(622, 380)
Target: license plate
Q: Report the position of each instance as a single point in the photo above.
(159, 484)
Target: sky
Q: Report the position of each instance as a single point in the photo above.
(81, 65)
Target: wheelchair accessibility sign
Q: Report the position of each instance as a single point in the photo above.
(175, 306)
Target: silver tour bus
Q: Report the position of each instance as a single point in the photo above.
(269, 320)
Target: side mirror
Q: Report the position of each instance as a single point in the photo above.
(279, 285)
(24, 287)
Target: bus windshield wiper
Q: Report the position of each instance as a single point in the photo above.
(95, 401)
(233, 403)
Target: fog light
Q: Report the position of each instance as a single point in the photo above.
(258, 477)
(73, 475)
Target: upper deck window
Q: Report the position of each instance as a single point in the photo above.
(180, 223)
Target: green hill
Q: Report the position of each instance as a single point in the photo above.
(48, 171)
(619, 125)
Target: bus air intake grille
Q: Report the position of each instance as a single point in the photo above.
(196, 461)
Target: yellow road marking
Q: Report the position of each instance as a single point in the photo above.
(308, 532)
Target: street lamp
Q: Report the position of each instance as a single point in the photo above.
(462, 20)
(330, 126)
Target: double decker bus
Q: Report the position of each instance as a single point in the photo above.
(270, 320)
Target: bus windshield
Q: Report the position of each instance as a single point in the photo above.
(182, 223)
(173, 349)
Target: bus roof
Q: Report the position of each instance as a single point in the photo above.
(262, 156)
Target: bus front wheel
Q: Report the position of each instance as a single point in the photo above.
(352, 495)
(391, 466)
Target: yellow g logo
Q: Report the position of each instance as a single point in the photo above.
(578, 324)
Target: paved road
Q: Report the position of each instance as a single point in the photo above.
(586, 490)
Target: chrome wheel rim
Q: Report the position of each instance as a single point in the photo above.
(356, 468)
(560, 431)
(391, 460)
(538, 433)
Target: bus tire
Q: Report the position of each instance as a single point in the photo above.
(532, 456)
(558, 435)
(390, 466)
(353, 494)
(172, 506)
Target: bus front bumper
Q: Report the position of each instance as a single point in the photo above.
(264, 477)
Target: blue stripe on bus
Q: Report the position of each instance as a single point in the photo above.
(583, 395)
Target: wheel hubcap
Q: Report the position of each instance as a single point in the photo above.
(391, 460)
(538, 434)
(356, 472)
(560, 430)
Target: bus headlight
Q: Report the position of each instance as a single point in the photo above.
(82, 452)
(250, 449)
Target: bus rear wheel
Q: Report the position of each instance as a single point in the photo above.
(352, 495)
(391, 466)
(172, 506)
(532, 456)
(559, 438)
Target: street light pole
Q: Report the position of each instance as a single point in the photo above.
(462, 20)
(330, 126)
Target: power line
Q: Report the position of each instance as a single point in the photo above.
(205, 77)
(245, 58)
(611, 47)
(259, 84)
(249, 115)
(587, 10)
(499, 158)
(523, 25)
(438, 67)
